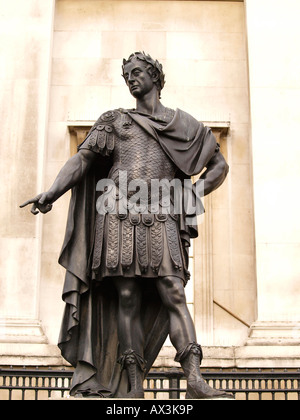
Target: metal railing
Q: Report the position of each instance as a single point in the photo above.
(245, 384)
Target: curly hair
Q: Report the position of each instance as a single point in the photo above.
(153, 68)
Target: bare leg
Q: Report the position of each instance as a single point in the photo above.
(182, 330)
(129, 324)
(183, 337)
(130, 334)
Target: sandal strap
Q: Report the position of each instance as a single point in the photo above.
(130, 357)
(193, 348)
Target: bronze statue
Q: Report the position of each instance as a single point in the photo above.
(126, 249)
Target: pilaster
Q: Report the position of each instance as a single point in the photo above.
(27, 29)
(274, 100)
(203, 283)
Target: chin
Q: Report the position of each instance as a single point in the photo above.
(136, 93)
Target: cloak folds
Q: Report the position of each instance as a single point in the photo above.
(89, 336)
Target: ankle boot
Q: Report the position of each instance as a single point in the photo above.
(190, 359)
(135, 367)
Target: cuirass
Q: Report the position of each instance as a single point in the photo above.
(138, 159)
(138, 153)
(135, 235)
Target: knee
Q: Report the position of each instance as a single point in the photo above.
(172, 292)
(128, 298)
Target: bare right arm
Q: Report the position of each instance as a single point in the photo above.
(214, 175)
(70, 174)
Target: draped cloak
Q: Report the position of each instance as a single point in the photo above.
(89, 337)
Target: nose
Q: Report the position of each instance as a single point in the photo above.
(130, 78)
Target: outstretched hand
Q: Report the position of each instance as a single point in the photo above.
(40, 203)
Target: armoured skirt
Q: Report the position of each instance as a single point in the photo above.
(138, 245)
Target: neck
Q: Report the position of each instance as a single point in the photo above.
(149, 104)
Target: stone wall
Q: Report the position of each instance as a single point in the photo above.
(230, 64)
(26, 47)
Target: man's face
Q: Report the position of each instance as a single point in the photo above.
(138, 79)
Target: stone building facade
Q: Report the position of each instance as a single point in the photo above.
(231, 64)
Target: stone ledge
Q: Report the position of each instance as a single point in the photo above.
(22, 354)
(239, 357)
(267, 357)
(25, 354)
(22, 331)
(274, 333)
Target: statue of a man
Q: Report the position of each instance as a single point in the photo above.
(126, 251)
